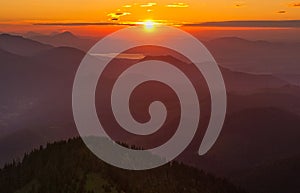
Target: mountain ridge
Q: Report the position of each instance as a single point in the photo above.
(68, 166)
(21, 46)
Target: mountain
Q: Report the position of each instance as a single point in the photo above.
(235, 81)
(40, 90)
(36, 107)
(275, 176)
(5, 56)
(70, 167)
(261, 124)
(293, 79)
(65, 39)
(258, 150)
(15, 145)
(286, 98)
(247, 83)
(20, 45)
(259, 57)
(35, 80)
(249, 138)
(18, 76)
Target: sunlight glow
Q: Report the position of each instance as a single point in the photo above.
(149, 25)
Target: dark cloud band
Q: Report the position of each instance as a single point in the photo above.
(261, 23)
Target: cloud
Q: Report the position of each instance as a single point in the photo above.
(294, 4)
(178, 5)
(249, 23)
(281, 12)
(148, 5)
(127, 6)
(117, 15)
(84, 24)
(240, 5)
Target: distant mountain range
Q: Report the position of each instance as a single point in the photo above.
(65, 39)
(259, 57)
(21, 46)
(262, 123)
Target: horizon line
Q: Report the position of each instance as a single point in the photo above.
(231, 23)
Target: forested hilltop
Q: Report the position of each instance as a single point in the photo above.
(69, 167)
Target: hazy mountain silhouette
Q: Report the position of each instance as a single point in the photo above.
(21, 46)
(65, 39)
(37, 98)
(245, 83)
(45, 81)
(37, 95)
(291, 78)
(260, 57)
(251, 137)
(285, 98)
(236, 82)
(262, 123)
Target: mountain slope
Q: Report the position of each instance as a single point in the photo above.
(39, 91)
(273, 176)
(65, 39)
(69, 167)
(21, 46)
(260, 57)
(249, 138)
(37, 96)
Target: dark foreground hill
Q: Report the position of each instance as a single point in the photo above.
(277, 176)
(70, 167)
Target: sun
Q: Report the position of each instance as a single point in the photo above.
(149, 25)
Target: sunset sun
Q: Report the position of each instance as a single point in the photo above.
(149, 25)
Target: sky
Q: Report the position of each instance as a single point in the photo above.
(22, 16)
(188, 11)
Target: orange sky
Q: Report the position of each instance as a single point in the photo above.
(20, 15)
(127, 11)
